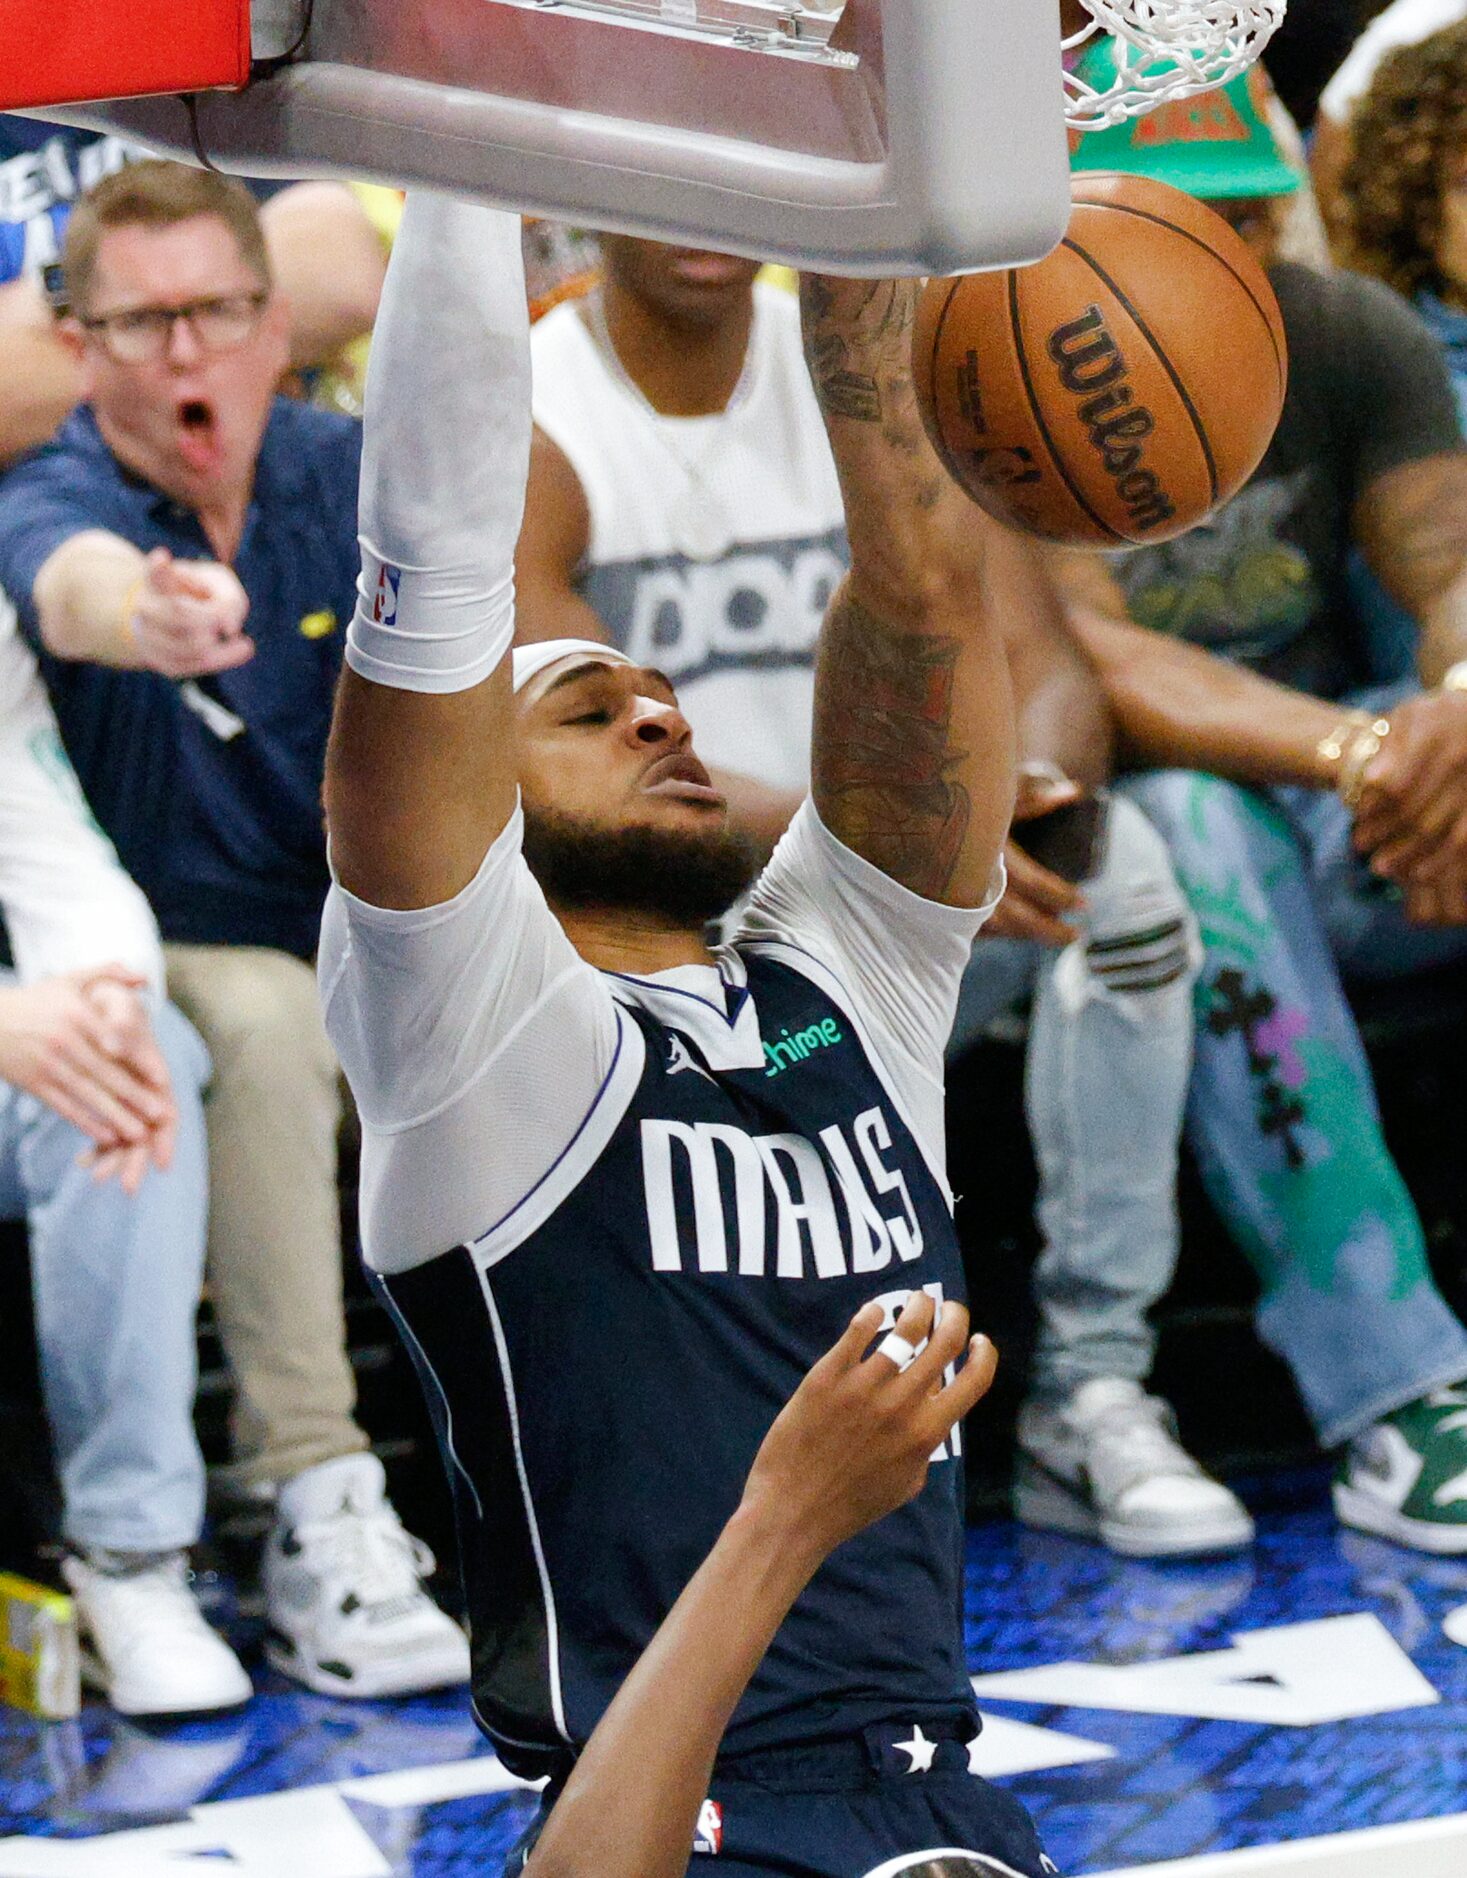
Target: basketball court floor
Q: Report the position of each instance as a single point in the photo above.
(1296, 1712)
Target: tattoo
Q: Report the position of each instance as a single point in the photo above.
(1414, 528)
(844, 393)
(856, 333)
(883, 712)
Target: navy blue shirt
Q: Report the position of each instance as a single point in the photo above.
(211, 790)
(601, 1390)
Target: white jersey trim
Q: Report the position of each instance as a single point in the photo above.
(552, 1623)
(576, 1159)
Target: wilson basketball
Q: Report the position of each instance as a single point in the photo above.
(1118, 390)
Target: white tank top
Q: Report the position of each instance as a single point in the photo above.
(715, 541)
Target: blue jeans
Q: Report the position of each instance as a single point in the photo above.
(116, 1283)
(1105, 1088)
(1282, 1115)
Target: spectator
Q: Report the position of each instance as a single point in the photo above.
(683, 503)
(1406, 186)
(324, 255)
(1270, 794)
(102, 1152)
(1405, 23)
(183, 552)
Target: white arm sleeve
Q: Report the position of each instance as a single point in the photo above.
(446, 451)
(476, 1041)
(474, 1037)
(898, 958)
(67, 902)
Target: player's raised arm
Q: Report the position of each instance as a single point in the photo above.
(913, 760)
(420, 770)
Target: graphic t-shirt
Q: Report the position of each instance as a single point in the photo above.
(1264, 581)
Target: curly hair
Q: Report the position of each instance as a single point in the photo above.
(1406, 130)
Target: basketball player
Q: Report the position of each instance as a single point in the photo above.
(621, 1192)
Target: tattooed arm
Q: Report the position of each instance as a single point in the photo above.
(913, 759)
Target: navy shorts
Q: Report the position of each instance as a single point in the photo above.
(885, 1802)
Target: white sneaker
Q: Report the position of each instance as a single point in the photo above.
(344, 1594)
(1106, 1464)
(145, 1644)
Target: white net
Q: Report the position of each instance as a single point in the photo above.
(1159, 50)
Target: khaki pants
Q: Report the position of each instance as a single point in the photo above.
(274, 1254)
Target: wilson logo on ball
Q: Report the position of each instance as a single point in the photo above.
(1117, 391)
(1091, 366)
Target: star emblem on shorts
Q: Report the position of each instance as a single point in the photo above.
(921, 1750)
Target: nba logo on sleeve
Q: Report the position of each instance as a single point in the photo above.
(384, 599)
(709, 1836)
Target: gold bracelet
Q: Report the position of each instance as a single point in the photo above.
(1352, 745)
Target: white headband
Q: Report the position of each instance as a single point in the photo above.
(531, 659)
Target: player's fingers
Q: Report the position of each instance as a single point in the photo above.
(849, 1350)
(944, 1345)
(913, 1326)
(969, 1386)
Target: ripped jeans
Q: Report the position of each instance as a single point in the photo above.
(1105, 1088)
(1283, 1117)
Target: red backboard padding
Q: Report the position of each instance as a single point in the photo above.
(69, 51)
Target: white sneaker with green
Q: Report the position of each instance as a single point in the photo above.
(1405, 1477)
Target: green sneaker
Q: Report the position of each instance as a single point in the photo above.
(1406, 1476)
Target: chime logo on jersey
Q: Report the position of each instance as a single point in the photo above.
(384, 598)
(709, 1836)
(715, 1191)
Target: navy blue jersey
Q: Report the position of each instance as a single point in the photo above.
(601, 1390)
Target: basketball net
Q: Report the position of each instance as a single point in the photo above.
(1160, 50)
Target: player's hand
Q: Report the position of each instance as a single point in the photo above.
(855, 1440)
(1412, 817)
(187, 618)
(1035, 905)
(80, 1043)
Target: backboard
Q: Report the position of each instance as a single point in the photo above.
(861, 136)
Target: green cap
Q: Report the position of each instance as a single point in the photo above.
(1216, 144)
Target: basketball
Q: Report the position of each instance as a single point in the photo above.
(1117, 391)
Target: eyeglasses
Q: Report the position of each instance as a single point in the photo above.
(142, 333)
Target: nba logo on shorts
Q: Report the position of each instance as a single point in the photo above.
(384, 600)
(709, 1836)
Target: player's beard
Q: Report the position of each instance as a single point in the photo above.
(686, 876)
